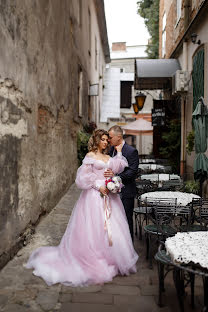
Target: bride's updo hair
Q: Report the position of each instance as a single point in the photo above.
(95, 140)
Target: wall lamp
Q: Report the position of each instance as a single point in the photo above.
(194, 39)
(138, 105)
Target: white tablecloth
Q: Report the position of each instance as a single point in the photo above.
(154, 167)
(189, 247)
(182, 198)
(160, 177)
(148, 161)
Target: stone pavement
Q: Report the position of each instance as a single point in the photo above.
(21, 291)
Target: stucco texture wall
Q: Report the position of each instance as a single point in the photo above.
(38, 110)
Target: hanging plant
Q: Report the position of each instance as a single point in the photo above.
(190, 142)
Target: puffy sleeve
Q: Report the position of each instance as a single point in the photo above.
(86, 178)
(118, 163)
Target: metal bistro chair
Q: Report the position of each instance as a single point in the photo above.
(141, 211)
(163, 212)
(175, 218)
(182, 276)
(203, 214)
(199, 216)
(194, 224)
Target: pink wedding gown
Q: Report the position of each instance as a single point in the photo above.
(84, 256)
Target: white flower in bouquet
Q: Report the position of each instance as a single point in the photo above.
(111, 186)
(116, 179)
(114, 184)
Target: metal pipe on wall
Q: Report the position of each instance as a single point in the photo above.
(183, 119)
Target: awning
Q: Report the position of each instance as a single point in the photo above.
(139, 126)
(152, 74)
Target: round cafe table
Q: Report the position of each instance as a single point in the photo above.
(191, 249)
(183, 199)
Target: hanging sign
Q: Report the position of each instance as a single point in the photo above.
(158, 117)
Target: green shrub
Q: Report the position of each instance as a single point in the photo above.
(192, 186)
(82, 140)
(190, 142)
(82, 145)
(172, 144)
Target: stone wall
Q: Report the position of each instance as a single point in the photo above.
(39, 66)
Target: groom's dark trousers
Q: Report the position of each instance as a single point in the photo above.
(128, 177)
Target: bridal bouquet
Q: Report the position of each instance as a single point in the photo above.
(114, 184)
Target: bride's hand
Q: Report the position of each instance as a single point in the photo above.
(119, 147)
(103, 190)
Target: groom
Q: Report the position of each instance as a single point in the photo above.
(128, 192)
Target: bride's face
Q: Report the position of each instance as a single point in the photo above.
(103, 142)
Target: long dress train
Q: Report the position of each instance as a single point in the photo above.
(84, 255)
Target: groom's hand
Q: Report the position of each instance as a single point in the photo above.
(108, 173)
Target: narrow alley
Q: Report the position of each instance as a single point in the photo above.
(21, 291)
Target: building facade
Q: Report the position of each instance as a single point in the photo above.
(53, 56)
(118, 94)
(183, 30)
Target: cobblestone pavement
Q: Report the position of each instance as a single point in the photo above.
(21, 291)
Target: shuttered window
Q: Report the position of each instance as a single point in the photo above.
(126, 87)
(198, 76)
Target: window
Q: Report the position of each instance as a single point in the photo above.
(89, 30)
(164, 35)
(178, 8)
(80, 91)
(126, 87)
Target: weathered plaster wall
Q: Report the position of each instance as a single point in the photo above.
(43, 43)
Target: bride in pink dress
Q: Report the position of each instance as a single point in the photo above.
(96, 245)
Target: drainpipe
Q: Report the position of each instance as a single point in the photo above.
(183, 119)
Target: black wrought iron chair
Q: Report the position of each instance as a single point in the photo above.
(182, 218)
(203, 214)
(165, 265)
(199, 216)
(161, 217)
(141, 211)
